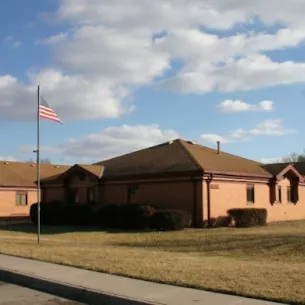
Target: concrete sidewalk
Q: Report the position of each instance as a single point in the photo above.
(98, 288)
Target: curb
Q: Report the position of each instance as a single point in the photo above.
(64, 290)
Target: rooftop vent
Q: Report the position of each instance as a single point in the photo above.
(6, 163)
(191, 142)
(33, 165)
(170, 142)
(218, 147)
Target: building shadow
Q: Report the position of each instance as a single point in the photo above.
(30, 228)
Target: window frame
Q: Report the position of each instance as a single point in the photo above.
(19, 194)
(279, 194)
(290, 190)
(250, 187)
(89, 190)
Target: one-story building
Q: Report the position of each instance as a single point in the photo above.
(18, 188)
(184, 175)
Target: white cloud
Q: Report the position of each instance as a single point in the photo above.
(111, 142)
(252, 72)
(108, 50)
(196, 46)
(120, 56)
(273, 127)
(8, 158)
(70, 96)
(271, 160)
(179, 13)
(12, 42)
(53, 39)
(210, 137)
(240, 106)
(209, 60)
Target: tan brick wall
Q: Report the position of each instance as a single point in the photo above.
(285, 210)
(174, 195)
(58, 193)
(233, 195)
(53, 194)
(112, 194)
(8, 205)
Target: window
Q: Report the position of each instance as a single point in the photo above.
(21, 198)
(132, 189)
(250, 193)
(71, 195)
(280, 194)
(289, 194)
(90, 194)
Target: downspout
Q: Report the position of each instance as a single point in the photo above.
(209, 180)
(195, 204)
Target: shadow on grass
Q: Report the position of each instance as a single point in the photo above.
(290, 246)
(55, 229)
(48, 229)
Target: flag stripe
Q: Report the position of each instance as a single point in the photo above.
(46, 112)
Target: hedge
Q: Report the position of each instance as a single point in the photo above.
(60, 213)
(128, 217)
(167, 220)
(249, 217)
(216, 222)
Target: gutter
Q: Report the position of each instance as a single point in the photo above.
(17, 186)
(236, 174)
(209, 198)
(195, 203)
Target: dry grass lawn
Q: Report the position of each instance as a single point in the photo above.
(266, 262)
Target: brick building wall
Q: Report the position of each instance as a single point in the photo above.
(225, 195)
(9, 206)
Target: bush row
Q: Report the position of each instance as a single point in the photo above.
(129, 217)
(139, 217)
(248, 217)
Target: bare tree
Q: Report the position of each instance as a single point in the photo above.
(294, 157)
(42, 161)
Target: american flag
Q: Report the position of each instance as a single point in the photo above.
(46, 112)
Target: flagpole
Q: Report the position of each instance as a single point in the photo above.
(38, 164)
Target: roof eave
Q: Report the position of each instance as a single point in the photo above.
(293, 169)
(17, 185)
(238, 174)
(153, 175)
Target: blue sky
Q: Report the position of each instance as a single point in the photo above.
(119, 85)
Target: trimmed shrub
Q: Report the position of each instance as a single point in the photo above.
(50, 213)
(60, 213)
(205, 224)
(34, 213)
(136, 216)
(79, 215)
(248, 217)
(220, 221)
(110, 216)
(167, 220)
(223, 221)
(130, 217)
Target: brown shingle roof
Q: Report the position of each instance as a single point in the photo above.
(25, 174)
(210, 160)
(169, 157)
(179, 156)
(275, 168)
(96, 170)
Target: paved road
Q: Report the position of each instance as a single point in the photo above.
(16, 295)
